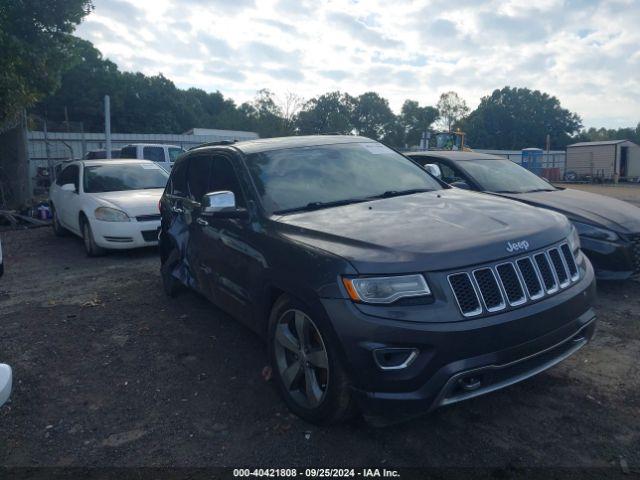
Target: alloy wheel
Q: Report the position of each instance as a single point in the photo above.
(301, 358)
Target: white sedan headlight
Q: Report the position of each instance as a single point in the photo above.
(107, 214)
(386, 289)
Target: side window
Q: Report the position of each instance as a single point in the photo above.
(129, 152)
(449, 175)
(178, 180)
(61, 176)
(71, 174)
(174, 153)
(155, 154)
(198, 176)
(224, 177)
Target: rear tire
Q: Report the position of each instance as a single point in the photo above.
(90, 246)
(309, 375)
(58, 230)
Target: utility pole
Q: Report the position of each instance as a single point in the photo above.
(107, 124)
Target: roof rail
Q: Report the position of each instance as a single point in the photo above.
(212, 144)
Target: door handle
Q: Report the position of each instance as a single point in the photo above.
(202, 222)
(177, 210)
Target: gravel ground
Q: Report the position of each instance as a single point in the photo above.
(109, 372)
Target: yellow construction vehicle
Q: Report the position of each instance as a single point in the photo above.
(451, 141)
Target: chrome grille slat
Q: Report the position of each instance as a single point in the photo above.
(531, 277)
(560, 269)
(465, 294)
(549, 280)
(569, 261)
(489, 289)
(510, 284)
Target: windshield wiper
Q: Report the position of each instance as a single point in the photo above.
(540, 190)
(398, 193)
(506, 191)
(319, 205)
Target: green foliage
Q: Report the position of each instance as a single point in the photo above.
(36, 47)
(515, 118)
(599, 134)
(510, 118)
(415, 120)
(452, 109)
(328, 113)
(371, 116)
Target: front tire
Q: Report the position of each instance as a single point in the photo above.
(306, 365)
(58, 229)
(90, 246)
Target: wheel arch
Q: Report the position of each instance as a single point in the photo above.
(273, 292)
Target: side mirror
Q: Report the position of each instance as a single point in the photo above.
(434, 170)
(222, 205)
(69, 187)
(461, 184)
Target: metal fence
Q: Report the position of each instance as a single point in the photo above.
(51, 146)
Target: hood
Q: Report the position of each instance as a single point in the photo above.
(133, 202)
(429, 231)
(599, 210)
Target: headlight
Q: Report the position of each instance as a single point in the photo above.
(107, 214)
(574, 240)
(591, 231)
(386, 289)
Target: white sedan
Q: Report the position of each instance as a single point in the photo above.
(111, 204)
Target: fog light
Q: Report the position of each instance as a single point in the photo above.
(394, 358)
(470, 383)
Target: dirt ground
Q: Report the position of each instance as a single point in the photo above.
(109, 372)
(629, 192)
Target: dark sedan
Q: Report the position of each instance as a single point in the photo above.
(609, 229)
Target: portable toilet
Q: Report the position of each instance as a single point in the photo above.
(532, 160)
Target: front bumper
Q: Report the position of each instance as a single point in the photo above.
(6, 378)
(613, 260)
(496, 350)
(125, 235)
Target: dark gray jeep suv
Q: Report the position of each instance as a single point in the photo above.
(377, 286)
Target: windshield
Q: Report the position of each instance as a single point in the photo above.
(297, 178)
(503, 176)
(120, 177)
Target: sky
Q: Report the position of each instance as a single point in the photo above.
(585, 52)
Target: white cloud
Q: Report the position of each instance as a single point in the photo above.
(585, 52)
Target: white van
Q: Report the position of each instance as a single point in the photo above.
(163, 155)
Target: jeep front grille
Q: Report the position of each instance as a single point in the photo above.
(494, 288)
(635, 240)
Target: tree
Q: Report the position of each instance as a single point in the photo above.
(415, 120)
(598, 134)
(515, 118)
(328, 113)
(34, 41)
(371, 116)
(452, 109)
